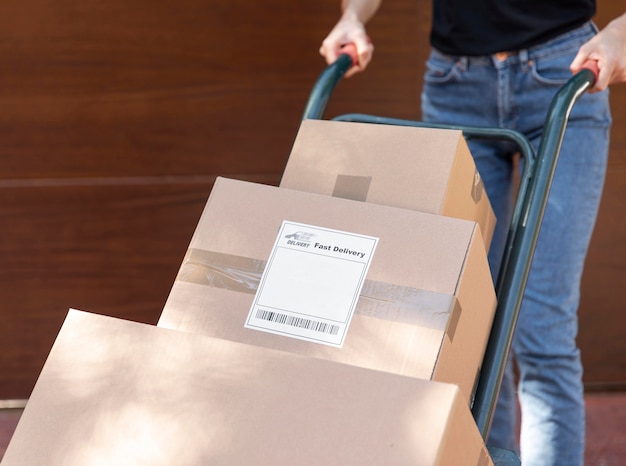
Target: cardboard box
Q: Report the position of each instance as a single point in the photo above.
(430, 170)
(119, 392)
(425, 309)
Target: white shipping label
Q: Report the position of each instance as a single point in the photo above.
(311, 283)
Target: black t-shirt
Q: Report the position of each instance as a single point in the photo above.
(483, 27)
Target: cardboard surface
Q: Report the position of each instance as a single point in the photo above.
(119, 392)
(425, 169)
(425, 309)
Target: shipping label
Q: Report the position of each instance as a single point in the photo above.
(311, 284)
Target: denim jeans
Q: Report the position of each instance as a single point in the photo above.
(513, 91)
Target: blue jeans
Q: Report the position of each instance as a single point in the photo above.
(514, 91)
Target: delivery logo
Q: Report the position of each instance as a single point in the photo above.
(300, 238)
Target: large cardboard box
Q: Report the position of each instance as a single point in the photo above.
(123, 393)
(425, 309)
(425, 169)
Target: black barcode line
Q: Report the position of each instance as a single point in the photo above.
(300, 322)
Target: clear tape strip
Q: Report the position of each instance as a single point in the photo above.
(381, 300)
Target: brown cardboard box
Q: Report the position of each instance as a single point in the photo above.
(425, 309)
(430, 170)
(119, 392)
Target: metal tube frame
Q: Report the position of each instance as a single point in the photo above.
(534, 188)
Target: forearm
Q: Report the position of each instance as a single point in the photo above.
(619, 23)
(359, 10)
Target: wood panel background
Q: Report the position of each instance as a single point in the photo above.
(116, 117)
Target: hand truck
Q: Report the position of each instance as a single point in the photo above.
(534, 187)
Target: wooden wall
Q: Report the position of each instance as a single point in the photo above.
(602, 333)
(116, 117)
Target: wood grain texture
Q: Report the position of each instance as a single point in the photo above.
(602, 325)
(116, 117)
(109, 249)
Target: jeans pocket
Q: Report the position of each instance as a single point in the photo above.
(440, 69)
(553, 69)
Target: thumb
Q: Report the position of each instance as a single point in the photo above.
(581, 57)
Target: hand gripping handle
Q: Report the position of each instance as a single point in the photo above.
(350, 50)
(592, 65)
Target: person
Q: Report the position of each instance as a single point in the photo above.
(498, 64)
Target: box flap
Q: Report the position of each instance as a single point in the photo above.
(119, 392)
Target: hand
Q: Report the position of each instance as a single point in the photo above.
(608, 49)
(348, 30)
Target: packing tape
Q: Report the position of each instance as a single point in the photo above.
(477, 187)
(380, 300)
(352, 187)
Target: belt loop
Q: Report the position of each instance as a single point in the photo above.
(523, 59)
(461, 63)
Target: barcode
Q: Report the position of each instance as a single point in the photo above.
(299, 322)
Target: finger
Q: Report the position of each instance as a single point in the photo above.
(581, 57)
(365, 50)
(603, 78)
(329, 54)
(586, 60)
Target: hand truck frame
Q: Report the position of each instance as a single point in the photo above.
(534, 187)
